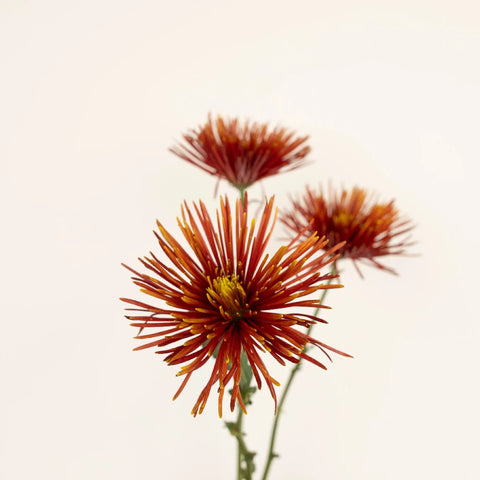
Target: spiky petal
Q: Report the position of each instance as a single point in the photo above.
(226, 295)
(369, 229)
(242, 153)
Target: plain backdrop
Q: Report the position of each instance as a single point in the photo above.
(92, 95)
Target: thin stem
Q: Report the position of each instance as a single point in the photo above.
(238, 428)
(245, 464)
(242, 194)
(293, 373)
(245, 458)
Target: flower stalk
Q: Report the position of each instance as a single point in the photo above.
(245, 457)
(273, 435)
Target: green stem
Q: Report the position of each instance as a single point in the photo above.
(293, 373)
(245, 464)
(245, 458)
(238, 428)
(242, 194)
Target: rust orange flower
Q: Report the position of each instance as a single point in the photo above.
(242, 154)
(370, 229)
(226, 296)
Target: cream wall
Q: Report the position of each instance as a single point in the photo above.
(93, 93)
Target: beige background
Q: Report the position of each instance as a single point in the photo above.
(93, 93)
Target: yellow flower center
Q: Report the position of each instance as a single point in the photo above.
(227, 293)
(342, 219)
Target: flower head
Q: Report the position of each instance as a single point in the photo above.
(370, 229)
(242, 154)
(226, 296)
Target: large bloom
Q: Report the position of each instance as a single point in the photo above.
(242, 154)
(227, 296)
(370, 229)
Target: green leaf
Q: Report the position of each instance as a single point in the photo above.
(247, 374)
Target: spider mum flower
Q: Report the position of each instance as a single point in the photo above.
(242, 154)
(370, 229)
(227, 296)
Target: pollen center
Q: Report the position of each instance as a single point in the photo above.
(343, 219)
(227, 293)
